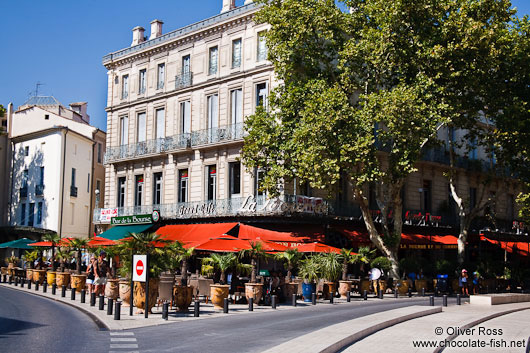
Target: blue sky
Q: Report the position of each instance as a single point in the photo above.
(60, 43)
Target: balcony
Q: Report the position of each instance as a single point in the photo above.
(184, 80)
(73, 191)
(174, 143)
(39, 190)
(23, 191)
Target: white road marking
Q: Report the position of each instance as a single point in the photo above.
(122, 333)
(123, 339)
(123, 346)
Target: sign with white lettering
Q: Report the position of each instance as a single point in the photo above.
(135, 219)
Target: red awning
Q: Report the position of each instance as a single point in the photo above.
(254, 233)
(223, 244)
(522, 248)
(194, 233)
(47, 244)
(425, 241)
(317, 247)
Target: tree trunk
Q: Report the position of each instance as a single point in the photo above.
(222, 280)
(289, 273)
(78, 262)
(184, 273)
(254, 267)
(345, 270)
(54, 265)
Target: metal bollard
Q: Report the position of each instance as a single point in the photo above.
(431, 300)
(396, 293)
(36, 286)
(487, 289)
(365, 295)
(117, 310)
(54, 288)
(314, 298)
(110, 306)
(458, 300)
(22, 283)
(165, 311)
(101, 302)
(250, 304)
(92, 299)
(410, 292)
(225, 306)
(16, 281)
(44, 287)
(10, 280)
(196, 308)
(348, 296)
(331, 298)
(274, 300)
(4, 278)
(72, 294)
(423, 292)
(380, 294)
(444, 300)
(293, 300)
(83, 296)
(63, 291)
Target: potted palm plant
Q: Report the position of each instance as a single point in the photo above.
(159, 254)
(77, 245)
(30, 258)
(182, 293)
(54, 240)
(348, 257)
(62, 276)
(254, 290)
(331, 268)
(12, 262)
(364, 256)
(218, 292)
(289, 257)
(310, 270)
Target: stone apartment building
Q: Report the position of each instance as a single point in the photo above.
(175, 111)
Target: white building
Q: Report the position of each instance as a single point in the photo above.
(57, 165)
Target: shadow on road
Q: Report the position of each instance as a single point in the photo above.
(9, 327)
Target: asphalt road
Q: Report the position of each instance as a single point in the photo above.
(29, 323)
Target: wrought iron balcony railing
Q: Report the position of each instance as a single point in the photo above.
(184, 80)
(39, 190)
(176, 142)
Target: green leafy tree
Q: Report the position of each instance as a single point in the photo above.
(255, 252)
(290, 257)
(54, 239)
(222, 262)
(63, 254)
(77, 245)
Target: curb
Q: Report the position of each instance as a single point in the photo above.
(479, 321)
(100, 324)
(349, 340)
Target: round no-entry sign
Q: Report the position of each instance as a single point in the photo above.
(139, 268)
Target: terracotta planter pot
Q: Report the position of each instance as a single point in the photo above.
(50, 277)
(39, 276)
(403, 286)
(254, 290)
(112, 289)
(125, 292)
(289, 289)
(78, 282)
(218, 292)
(421, 283)
(62, 279)
(182, 296)
(29, 274)
(139, 294)
(344, 287)
(328, 289)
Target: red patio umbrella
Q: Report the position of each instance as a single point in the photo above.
(224, 244)
(317, 247)
(270, 246)
(99, 241)
(47, 244)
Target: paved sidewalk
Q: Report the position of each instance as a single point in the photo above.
(438, 327)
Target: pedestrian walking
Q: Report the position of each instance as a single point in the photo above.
(91, 271)
(464, 282)
(101, 272)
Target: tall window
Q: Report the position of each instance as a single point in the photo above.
(236, 53)
(186, 65)
(73, 177)
(157, 189)
(138, 190)
(160, 123)
(236, 105)
(141, 81)
(88, 183)
(25, 177)
(473, 149)
(121, 192)
(472, 198)
(39, 212)
(262, 47)
(213, 111)
(31, 214)
(211, 182)
(23, 214)
(26, 151)
(261, 94)
(427, 196)
(510, 206)
(41, 176)
(258, 181)
(213, 59)
(100, 153)
(234, 186)
(161, 76)
(185, 117)
(98, 185)
(124, 86)
(124, 130)
(141, 128)
(183, 185)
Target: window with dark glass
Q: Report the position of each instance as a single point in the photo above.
(183, 185)
(157, 189)
(121, 192)
(73, 177)
(211, 182)
(261, 94)
(25, 176)
(138, 190)
(39, 213)
(236, 53)
(234, 188)
(161, 76)
(26, 151)
(472, 198)
(510, 207)
(100, 154)
(23, 214)
(427, 196)
(124, 86)
(141, 81)
(31, 214)
(258, 181)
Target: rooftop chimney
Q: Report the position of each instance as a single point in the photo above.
(138, 35)
(228, 5)
(156, 29)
